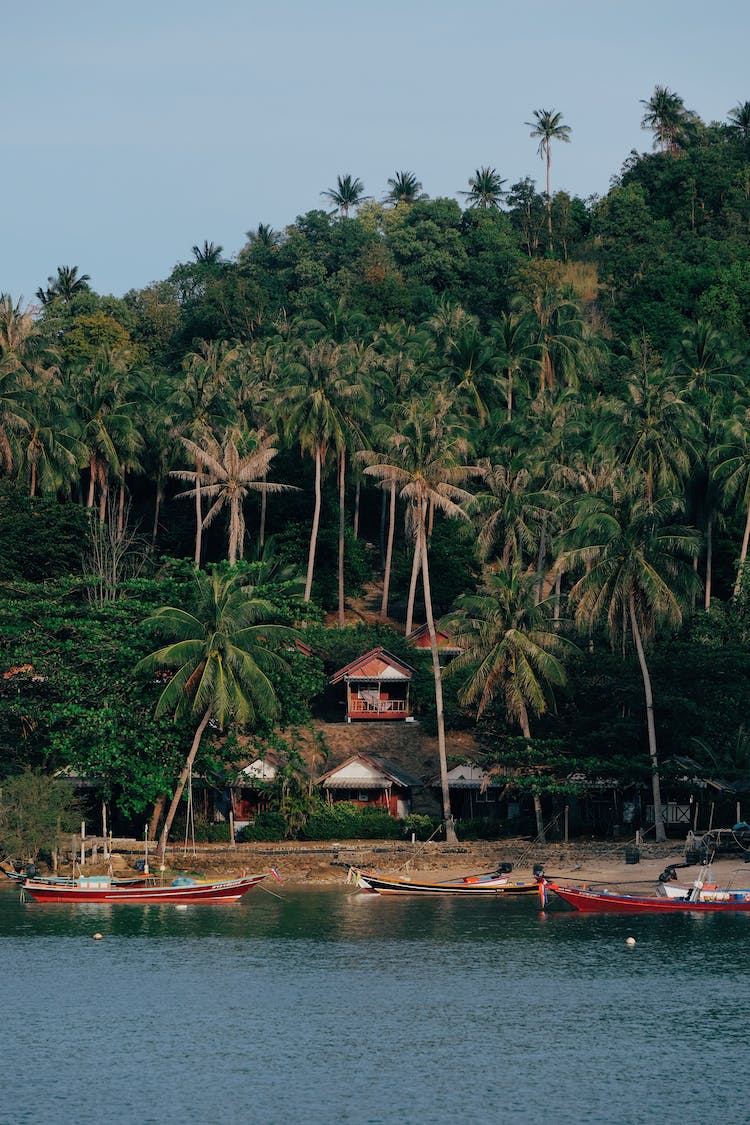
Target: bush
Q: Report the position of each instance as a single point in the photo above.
(268, 826)
(347, 821)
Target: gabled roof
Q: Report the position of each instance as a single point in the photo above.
(420, 638)
(377, 664)
(366, 771)
(259, 769)
(468, 776)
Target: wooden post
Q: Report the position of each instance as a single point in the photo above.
(104, 830)
(83, 843)
(231, 828)
(566, 823)
(711, 817)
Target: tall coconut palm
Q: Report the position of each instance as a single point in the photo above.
(731, 466)
(426, 460)
(64, 286)
(348, 193)
(324, 398)
(224, 656)
(202, 406)
(209, 254)
(667, 118)
(509, 648)
(486, 189)
(404, 187)
(548, 127)
(471, 370)
(513, 343)
(635, 562)
(231, 470)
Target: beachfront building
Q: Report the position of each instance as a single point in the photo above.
(370, 781)
(376, 686)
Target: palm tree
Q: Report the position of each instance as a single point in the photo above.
(634, 558)
(202, 405)
(731, 459)
(404, 187)
(349, 192)
(509, 648)
(223, 656)
(426, 461)
(512, 338)
(208, 254)
(324, 399)
(485, 189)
(471, 370)
(232, 469)
(548, 126)
(64, 286)
(665, 115)
(739, 121)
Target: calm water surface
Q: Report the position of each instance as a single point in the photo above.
(332, 1006)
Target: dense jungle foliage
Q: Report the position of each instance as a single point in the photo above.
(525, 414)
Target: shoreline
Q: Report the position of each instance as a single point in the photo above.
(595, 863)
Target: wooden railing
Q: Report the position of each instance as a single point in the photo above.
(359, 706)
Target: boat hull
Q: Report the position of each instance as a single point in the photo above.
(706, 894)
(599, 902)
(229, 890)
(470, 886)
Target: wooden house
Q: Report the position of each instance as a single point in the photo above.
(420, 639)
(365, 779)
(249, 791)
(377, 687)
(470, 798)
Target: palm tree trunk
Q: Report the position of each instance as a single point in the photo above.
(743, 552)
(181, 783)
(709, 563)
(92, 482)
(32, 483)
(342, 498)
(314, 529)
(655, 785)
(157, 511)
(389, 554)
(450, 830)
(412, 591)
(523, 719)
(357, 494)
(549, 200)
(263, 510)
(198, 513)
(156, 812)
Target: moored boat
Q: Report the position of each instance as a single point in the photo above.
(92, 888)
(704, 892)
(597, 902)
(489, 883)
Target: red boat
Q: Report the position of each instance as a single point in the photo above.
(597, 902)
(93, 888)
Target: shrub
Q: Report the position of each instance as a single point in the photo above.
(268, 826)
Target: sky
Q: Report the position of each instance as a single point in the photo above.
(134, 131)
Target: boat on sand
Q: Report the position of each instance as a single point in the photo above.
(486, 883)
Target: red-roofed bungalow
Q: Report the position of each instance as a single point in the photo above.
(377, 687)
(420, 638)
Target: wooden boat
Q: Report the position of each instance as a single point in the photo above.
(70, 881)
(489, 883)
(704, 892)
(590, 902)
(92, 888)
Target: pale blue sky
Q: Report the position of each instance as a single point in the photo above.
(132, 131)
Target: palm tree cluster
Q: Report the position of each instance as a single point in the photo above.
(593, 472)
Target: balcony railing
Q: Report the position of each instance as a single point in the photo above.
(359, 706)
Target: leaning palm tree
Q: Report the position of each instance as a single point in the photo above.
(548, 126)
(231, 470)
(349, 192)
(404, 187)
(509, 648)
(223, 656)
(427, 461)
(635, 562)
(485, 189)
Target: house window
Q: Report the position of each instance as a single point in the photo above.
(363, 795)
(486, 797)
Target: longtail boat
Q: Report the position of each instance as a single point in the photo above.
(704, 892)
(92, 888)
(598, 902)
(483, 884)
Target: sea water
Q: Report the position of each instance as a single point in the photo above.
(333, 1006)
